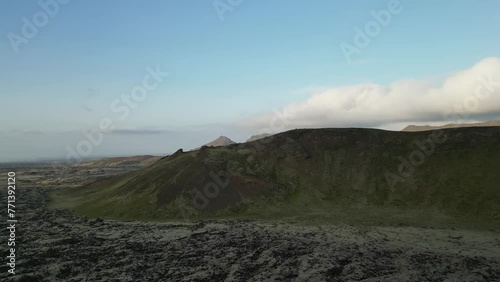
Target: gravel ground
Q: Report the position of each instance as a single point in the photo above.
(55, 245)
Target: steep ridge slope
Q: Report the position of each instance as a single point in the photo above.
(325, 172)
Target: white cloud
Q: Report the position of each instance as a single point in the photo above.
(472, 94)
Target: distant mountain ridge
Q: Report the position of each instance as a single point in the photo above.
(221, 141)
(258, 136)
(450, 125)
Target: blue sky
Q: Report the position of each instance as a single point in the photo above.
(263, 55)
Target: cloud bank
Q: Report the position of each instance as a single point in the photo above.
(469, 95)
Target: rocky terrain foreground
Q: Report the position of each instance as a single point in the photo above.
(55, 245)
